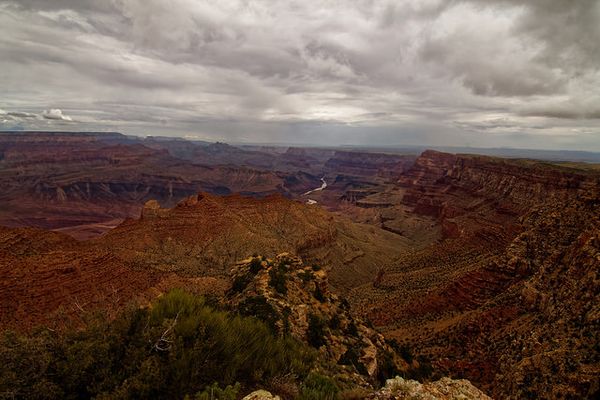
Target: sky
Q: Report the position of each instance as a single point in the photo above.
(481, 73)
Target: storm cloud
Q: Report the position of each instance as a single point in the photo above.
(472, 72)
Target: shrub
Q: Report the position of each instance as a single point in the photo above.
(214, 392)
(255, 265)
(316, 331)
(176, 347)
(406, 353)
(306, 276)
(318, 387)
(334, 322)
(278, 278)
(259, 307)
(386, 368)
(318, 293)
(352, 357)
(352, 329)
(403, 350)
(240, 283)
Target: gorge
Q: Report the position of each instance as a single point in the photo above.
(477, 267)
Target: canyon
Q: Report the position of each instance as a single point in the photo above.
(484, 267)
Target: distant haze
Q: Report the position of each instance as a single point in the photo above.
(478, 73)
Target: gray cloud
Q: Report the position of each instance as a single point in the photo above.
(493, 72)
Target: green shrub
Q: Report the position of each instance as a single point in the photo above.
(278, 279)
(214, 392)
(176, 347)
(318, 387)
(258, 307)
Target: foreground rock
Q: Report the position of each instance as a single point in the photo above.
(261, 395)
(444, 389)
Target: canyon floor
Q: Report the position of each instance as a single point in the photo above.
(484, 268)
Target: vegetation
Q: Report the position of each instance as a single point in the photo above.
(351, 357)
(178, 347)
(318, 387)
(306, 276)
(240, 283)
(259, 307)
(278, 278)
(255, 265)
(318, 293)
(316, 330)
(214, 392)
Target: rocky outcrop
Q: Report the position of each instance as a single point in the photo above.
(261, 395)
(444, 389)
(295, 299)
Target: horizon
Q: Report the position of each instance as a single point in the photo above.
(472, 73)
(535, 154)
(316, 145)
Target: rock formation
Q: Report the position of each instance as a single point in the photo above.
(295, 299)
(443, 389)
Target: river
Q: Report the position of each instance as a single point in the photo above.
(323, 186)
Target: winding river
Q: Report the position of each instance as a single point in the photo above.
(323, 186)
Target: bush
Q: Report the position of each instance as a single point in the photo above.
(318, 293)
(306, 276)
(386, 367)
(316, 331)
(278, 279)
(255, 265)
(240, 283)
(352, 357)
(214, 392)
(334, 322)
(403, 350)
(258, 307)
(406, 353)
(177, 347)
(318, 387)
(352, 329)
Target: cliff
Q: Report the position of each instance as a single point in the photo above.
(509, 297)
(357, 163)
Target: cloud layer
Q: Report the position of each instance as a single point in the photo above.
(473, 72)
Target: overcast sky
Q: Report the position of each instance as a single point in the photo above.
(477, 73)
